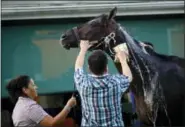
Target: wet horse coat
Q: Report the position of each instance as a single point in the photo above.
(163, 86)
(158, 80)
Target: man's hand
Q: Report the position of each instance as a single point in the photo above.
(84, 45)
(122, 56)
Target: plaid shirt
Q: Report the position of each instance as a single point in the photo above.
(101, 98)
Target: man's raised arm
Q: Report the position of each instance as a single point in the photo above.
(123, 60)
(84, 45)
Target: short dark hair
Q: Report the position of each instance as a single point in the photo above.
(14, 87)
(97, 62)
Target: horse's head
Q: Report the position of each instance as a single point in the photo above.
(101, 31)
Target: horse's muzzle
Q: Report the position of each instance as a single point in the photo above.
(66, 46)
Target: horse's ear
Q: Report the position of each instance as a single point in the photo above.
(104, 20)
(112, 13)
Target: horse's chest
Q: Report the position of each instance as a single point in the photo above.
(142, 109)
(150, 103)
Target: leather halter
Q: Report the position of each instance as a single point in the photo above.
(104, 40)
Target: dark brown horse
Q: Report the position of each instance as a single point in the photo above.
(158, 80)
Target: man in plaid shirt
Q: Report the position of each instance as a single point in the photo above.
(100, 92)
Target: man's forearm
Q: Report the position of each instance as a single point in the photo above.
(126, 70)
(80, 59)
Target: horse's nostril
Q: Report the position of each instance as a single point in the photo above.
(64, 36)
